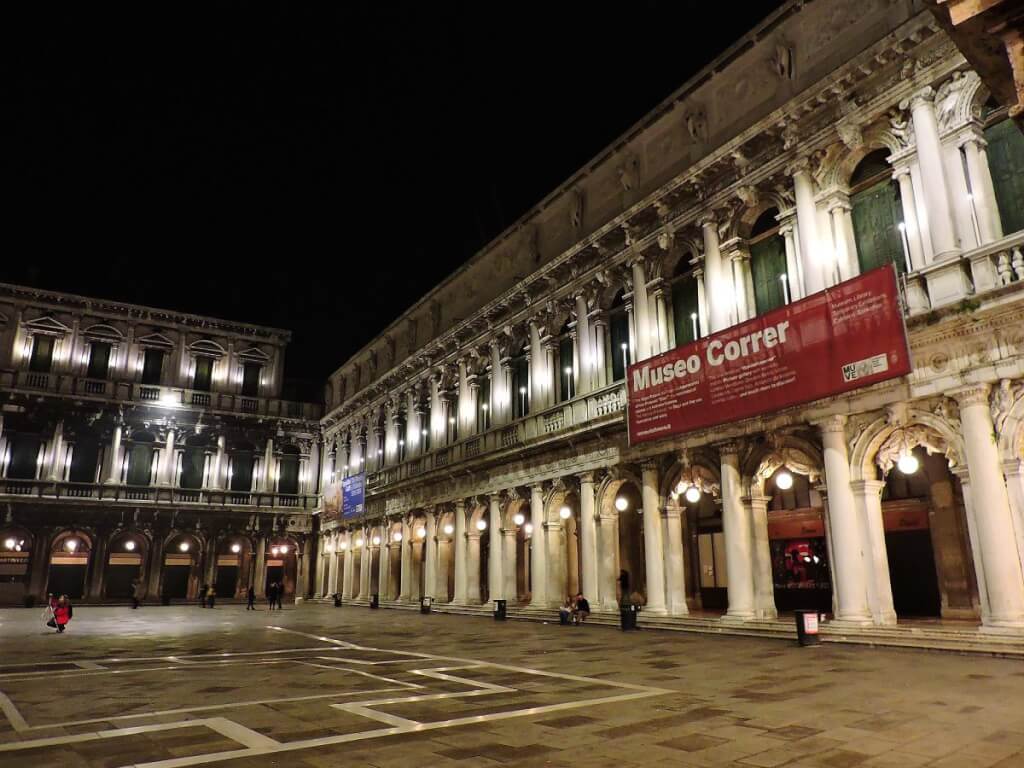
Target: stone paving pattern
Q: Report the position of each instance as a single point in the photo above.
(731, 701)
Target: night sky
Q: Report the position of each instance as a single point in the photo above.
(316, 167)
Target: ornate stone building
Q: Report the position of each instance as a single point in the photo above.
(146, 444)
(488, 418)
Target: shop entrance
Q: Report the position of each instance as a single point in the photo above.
(227, 576)
(275, 573)
(177, 569)
(67, 575)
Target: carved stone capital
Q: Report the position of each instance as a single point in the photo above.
(975, 394)
(834, 424)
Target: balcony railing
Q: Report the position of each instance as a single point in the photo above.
(578, 412)
(49, 490)
(171, 397)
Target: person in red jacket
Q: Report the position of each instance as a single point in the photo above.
(62, 612)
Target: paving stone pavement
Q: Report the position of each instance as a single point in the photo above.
(319, 686)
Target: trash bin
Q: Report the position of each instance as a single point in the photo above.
(627, 616)
(499, 610)
(425, 604)
(807, 628)
(375, 600)
(337, 599)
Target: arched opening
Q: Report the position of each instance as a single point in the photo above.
(693, 494)
(376, 553)
(877, 214)
(476, 555)
(618, 331)
(182, 554)
(768, 263)
(801, 574)
(141, 457)
(69, 564)
(355, 551)
(281, 560)
(192, 473)
(395, 537)
(1005, 153)
(445, 589)
(125, 565)
(15, 562)
(232, 570)
(242, 467)
(685, 305)
(628, 504)
(564, 511)
(288, 479)
(923, 514)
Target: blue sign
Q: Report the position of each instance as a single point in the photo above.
(352, 495)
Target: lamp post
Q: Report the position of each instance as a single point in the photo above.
(568, 375)
(625, 361)
(693, 320)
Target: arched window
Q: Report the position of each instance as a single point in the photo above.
(140, 458)
(1006, 164)
(768, 262)
(618, 328)
(23, 457)
(243, 462)
(877, 214)
(685, 313)
(288, 480)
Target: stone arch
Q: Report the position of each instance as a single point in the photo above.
(746, 217)
(840, 161)
(793, 451)
(71, 561)
(941, 432)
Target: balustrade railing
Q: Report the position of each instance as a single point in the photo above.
(49, 489)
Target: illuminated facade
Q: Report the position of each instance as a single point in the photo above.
(488, 418)
(146, 445)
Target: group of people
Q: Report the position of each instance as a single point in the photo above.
(275, 593)
(574, 610)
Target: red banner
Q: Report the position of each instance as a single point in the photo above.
(849, 336)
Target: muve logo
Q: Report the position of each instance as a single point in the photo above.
(869, 366)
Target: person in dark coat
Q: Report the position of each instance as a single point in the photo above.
(138, 592)
(279, 595)
(271, 595)
(582, 607)
(250, 598)
(624, 587)
(202, 595)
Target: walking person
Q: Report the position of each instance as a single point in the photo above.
(279, 594)
(271, 595)
(62, 613)
(138, 592)
(624, 587)
(211, 596)
(250, 598)
(202, 595)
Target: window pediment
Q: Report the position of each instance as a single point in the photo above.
(155, 340)
(47, 324)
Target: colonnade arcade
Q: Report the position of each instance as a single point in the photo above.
(870, 517)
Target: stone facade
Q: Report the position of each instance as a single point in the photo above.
(150, 445)
(488, 418)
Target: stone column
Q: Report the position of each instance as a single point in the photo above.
(97, 567)
(405, 578)
(383, 571)
(982, 191)
(845, 243)
(495, 580)
(911, 227)
(156, 562)
(653, 550)
(584, 347)
(39, 563)
(997, 543)
(114, 477)
(787, 230)
(539, 560)
(461, 554)
(259, 572)
(641, 310)
(168, 463)
(702, 303)
(600, 371)
(56, 469)
(510, 565)
(608, 541)
(867, 498)
(430, 562)
(660, 342)
(365, 563)
(848, 573)
(764, 583)
(536, 365)
(267, 480)
(472, 566)
(815, 258)
(738, 544)
(674, 559)
(719, 293)
(588, 536)
(936, 191)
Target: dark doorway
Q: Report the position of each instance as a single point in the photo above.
(227, 579)
(119, 581)
(176, 581)
(275, 575)
(68, 579)
(915, 591)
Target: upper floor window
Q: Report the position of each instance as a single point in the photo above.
(152, 366)
(566, 369)
(483, 404)
(24, 457)
(288, 477)
(685, 310)
(768, 263)
(193, 462)
(1006, 164)
(618, 330)
(877, 214)
(202, 379)
(141, 459)
(42, 354)
(251, 379)
(400, 432)
(425, 427)
(85, 455)
(99, 360)
(241, 468)
(520, 393)
(453, 420)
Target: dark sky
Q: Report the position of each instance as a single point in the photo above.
(317, 166)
